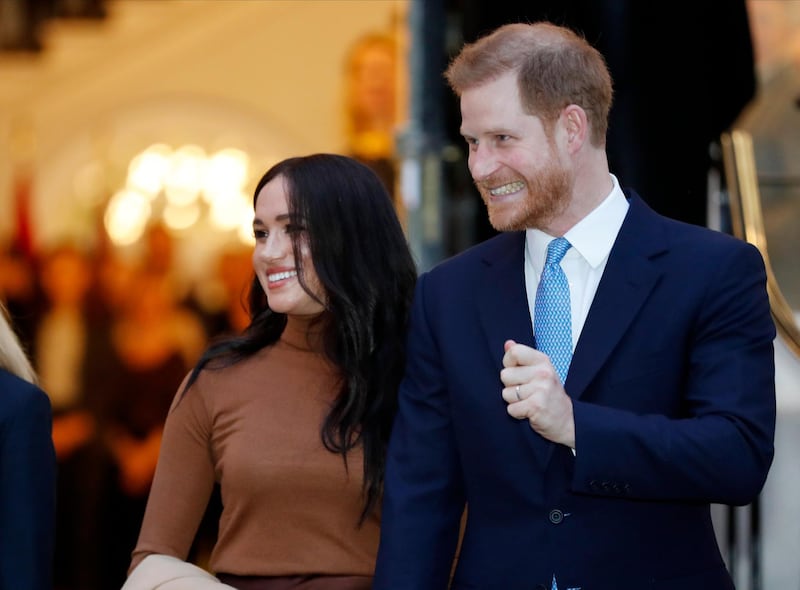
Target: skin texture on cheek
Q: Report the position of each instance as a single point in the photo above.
(546, 195)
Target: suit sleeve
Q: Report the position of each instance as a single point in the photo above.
(27, 495)
(424, 497)
(720, 448)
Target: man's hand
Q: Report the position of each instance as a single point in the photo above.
(534, 391)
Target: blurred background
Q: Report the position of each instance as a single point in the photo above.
(132, 133)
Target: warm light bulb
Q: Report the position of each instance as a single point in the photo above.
(126, 216)
(226, 172)
(147, 170)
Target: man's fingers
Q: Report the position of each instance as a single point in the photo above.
(519, 354)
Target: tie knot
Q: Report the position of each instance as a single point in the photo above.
(556, 250)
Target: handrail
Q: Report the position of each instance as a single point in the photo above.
(748, 223)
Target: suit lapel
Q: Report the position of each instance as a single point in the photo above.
(628, 279)
(503, 308)
(502, 301)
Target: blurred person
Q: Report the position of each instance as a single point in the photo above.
(160, 256)
(185, 317)
(114, 280)
(27, 470)
(68, 342)
(61, 343)
(132, 394)
(159, 253)
(592, 461)
(371, 103)
(234, 273)
(291, 418)
(773, 121)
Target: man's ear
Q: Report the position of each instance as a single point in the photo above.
(576, 126)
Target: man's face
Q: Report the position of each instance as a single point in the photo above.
(514, 162)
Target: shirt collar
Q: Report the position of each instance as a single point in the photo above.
(592, 237)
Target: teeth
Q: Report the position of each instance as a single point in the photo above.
(279, 276)
(507, 189)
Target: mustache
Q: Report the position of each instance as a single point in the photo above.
(494, 181)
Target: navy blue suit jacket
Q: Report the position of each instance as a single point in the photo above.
(27, 486)
(672, 382)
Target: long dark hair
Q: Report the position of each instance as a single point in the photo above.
(361, 256)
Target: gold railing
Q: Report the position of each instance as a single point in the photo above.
(748, 223)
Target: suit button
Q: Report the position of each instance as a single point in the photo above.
(556, 516)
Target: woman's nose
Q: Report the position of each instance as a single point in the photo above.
(275, 246)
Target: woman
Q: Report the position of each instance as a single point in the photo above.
(27, 470)
(292, 418)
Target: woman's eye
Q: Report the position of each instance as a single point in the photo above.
(294, 229)
(260, 234)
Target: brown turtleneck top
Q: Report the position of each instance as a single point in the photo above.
(290, 506)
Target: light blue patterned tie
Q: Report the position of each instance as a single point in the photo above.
(552, 315)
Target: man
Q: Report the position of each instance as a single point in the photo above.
(601, 478)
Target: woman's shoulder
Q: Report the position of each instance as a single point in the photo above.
(227, 368)
(216, 375)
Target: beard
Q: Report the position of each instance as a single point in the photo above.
(549, 193)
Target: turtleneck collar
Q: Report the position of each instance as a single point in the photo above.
(304, 332)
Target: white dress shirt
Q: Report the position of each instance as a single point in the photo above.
(591, 238)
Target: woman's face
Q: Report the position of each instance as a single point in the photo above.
(273, 258)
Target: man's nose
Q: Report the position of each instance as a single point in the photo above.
(482, 161)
